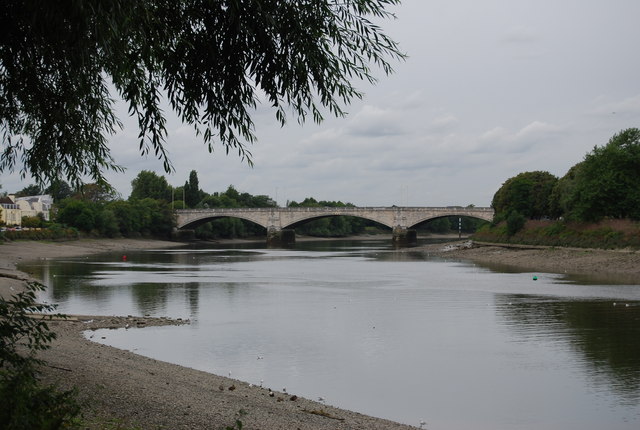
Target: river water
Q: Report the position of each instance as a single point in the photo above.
(391, 334)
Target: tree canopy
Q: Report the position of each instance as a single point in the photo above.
(29, 190)
(526, 193)
(604, 185)
(607, 182)
(211, 60)
(192, 192)
(149, 185)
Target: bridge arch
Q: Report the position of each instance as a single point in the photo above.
(206, 218)
(444, 215)
(311, 218)
(276, 220)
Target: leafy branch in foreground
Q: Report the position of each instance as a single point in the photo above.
(212, 60)
(20, 331)
(26, 404)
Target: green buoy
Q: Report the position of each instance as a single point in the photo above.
(535, 278)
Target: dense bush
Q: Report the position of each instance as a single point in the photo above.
(144, 217)
(37, 221)
(26, 404)
(515, 222)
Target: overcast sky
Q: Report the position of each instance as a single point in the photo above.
(491, 88)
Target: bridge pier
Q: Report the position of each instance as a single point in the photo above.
(403, 236)
(281, 237)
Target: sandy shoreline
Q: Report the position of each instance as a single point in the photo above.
(119, 388)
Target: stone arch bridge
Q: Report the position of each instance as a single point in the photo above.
(280, 222)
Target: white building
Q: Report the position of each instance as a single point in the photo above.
(33, 205)
(14, 208)
(9, 212)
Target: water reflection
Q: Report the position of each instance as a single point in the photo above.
(585, 279)
(148, 279)
(604, 334)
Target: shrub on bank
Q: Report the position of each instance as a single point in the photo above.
(54, 232)
(606, 234)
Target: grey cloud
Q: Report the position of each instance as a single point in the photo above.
(372, 121)
(519, 36)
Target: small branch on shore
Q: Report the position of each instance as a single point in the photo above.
(18, 277)
(322, 413)
(59, 368)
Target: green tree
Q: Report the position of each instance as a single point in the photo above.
(107, 223)
(33, 221)
(469, 224)
(606, 183)
(97, 193)
(127, 218)
(77, 213)
(527, 193)
(29, 190)
(59, 190)
(262, 201)
(136, 217)
(179, 204)
(178, 193)
(515, 222)
(333, 226)
(149, 185)
(230, 227)
(233, 195)
(439, 225)
(156, 217)
(192, 192)
(211, 201)
(307, 202)
(211, 60)
(560, 201)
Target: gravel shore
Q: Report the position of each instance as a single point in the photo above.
(128, 389)
(621, 266)
(120, 389)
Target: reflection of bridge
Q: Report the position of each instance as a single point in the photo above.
(280, 222)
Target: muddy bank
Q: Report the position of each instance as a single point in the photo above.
(14, 253)
(608, 265)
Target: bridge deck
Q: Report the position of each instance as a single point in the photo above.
(282, 218)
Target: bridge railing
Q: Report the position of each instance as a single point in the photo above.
(338, 209)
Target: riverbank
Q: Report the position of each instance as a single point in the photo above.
(119, 389)
(14, 253)
(598, 264)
